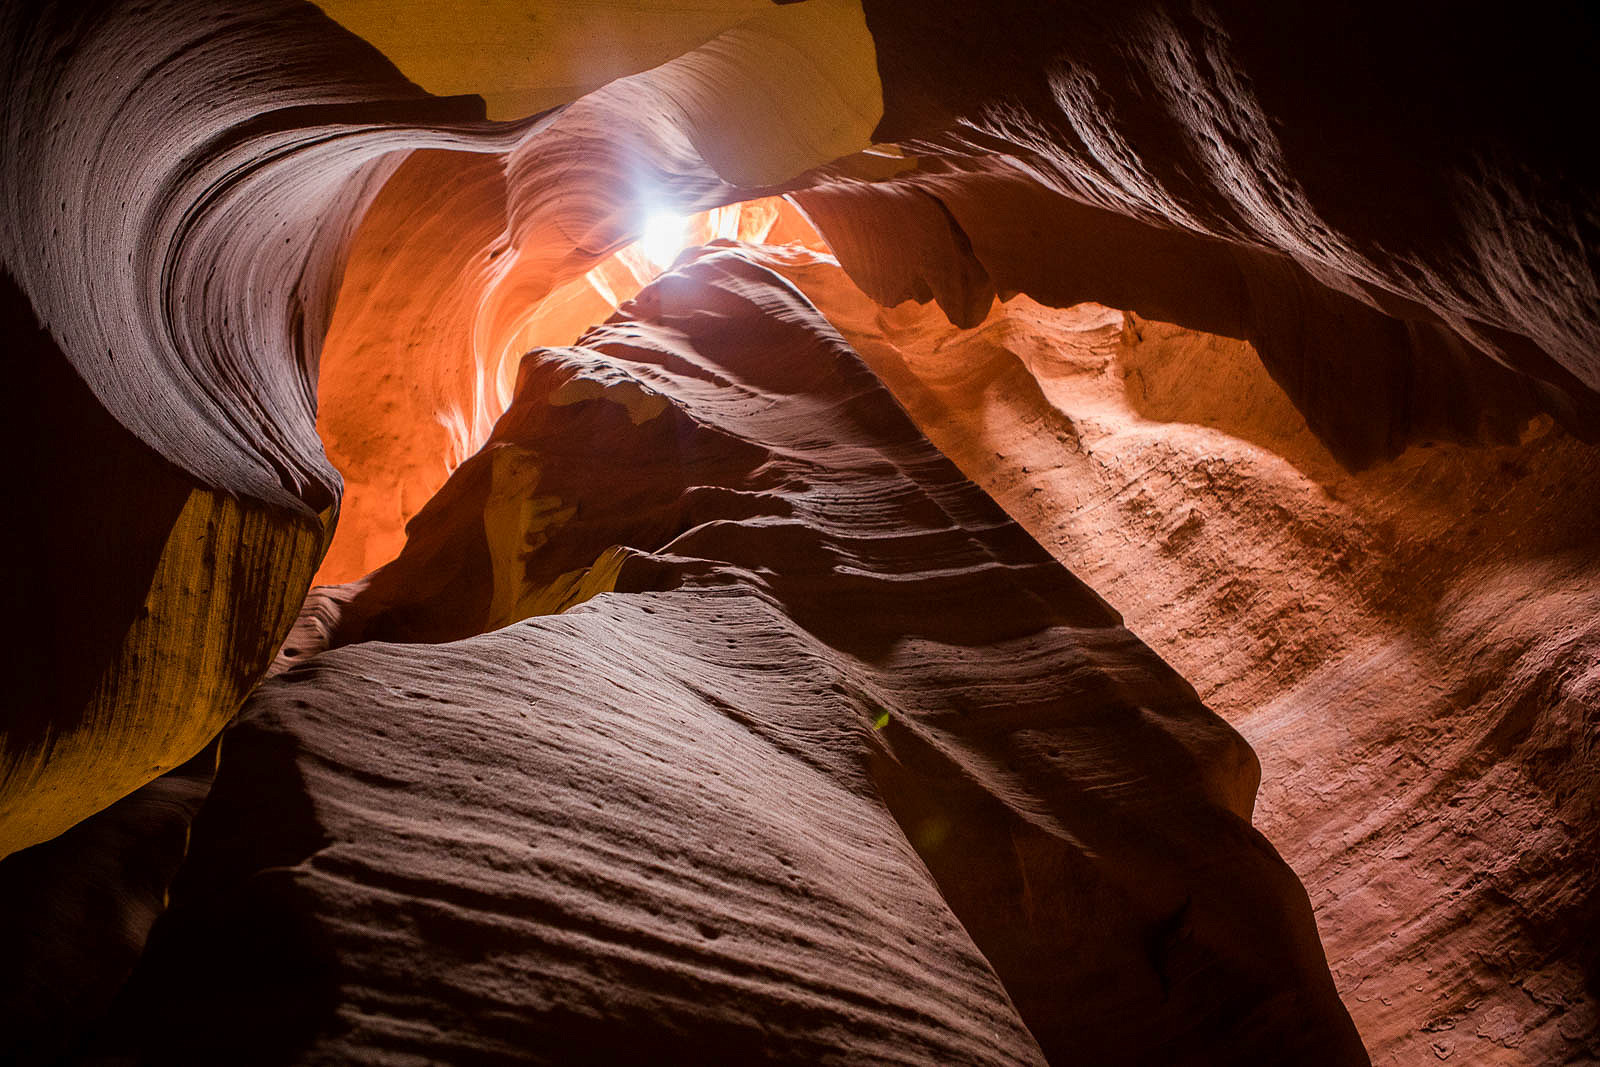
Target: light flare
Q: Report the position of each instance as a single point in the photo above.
(567, 311)
(663, 237)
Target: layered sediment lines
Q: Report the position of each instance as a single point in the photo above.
(1412, 650)
(761, 788)
(181, 195)
(1298, 133)
(183, 184)
(183, 187)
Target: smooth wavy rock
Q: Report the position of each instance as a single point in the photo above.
(181, 185)
(1413, 650)
(763, 91)
(1388, 201)
(175, 215)
(1370, 382)
(153, 602)
(1271, 169)
(828, 761)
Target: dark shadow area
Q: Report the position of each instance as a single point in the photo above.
(237, 962)
(77, 909)
(96, 506)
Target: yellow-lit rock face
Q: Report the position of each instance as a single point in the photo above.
(763, 92)
(420, 361)
(524, 56)
(184, 665)
(792, 89)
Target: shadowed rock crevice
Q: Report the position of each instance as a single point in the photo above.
(103, 473)
(687, 666)
(239, 967)
(767, 743)
(79, 907)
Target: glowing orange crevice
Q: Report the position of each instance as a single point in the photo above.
(435, 316)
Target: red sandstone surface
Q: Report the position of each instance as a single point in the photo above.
(1103, 450)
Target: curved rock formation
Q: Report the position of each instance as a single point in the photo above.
(1296, 132)
(211, 212)
(1375, 555)
(760, 789)
(1369, 381)
(202, 208)
(1410, 648)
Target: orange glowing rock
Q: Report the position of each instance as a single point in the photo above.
(412, 384)
(709, 672)
(1329, 458)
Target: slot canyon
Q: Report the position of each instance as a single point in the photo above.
(838, 531)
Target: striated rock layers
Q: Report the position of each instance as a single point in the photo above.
(1413, 650)
(825, 759)
(1386, 204)
(181, 184)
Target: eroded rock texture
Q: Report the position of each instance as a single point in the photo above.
(1304, 167)
(205, 191)
(1355, 508)
(1411, 648)
(764, 789)
(182, 183)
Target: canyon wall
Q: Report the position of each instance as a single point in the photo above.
(1410, 649)
(1340, 421)
(746, 780)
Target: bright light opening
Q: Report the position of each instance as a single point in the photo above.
(663, 237)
